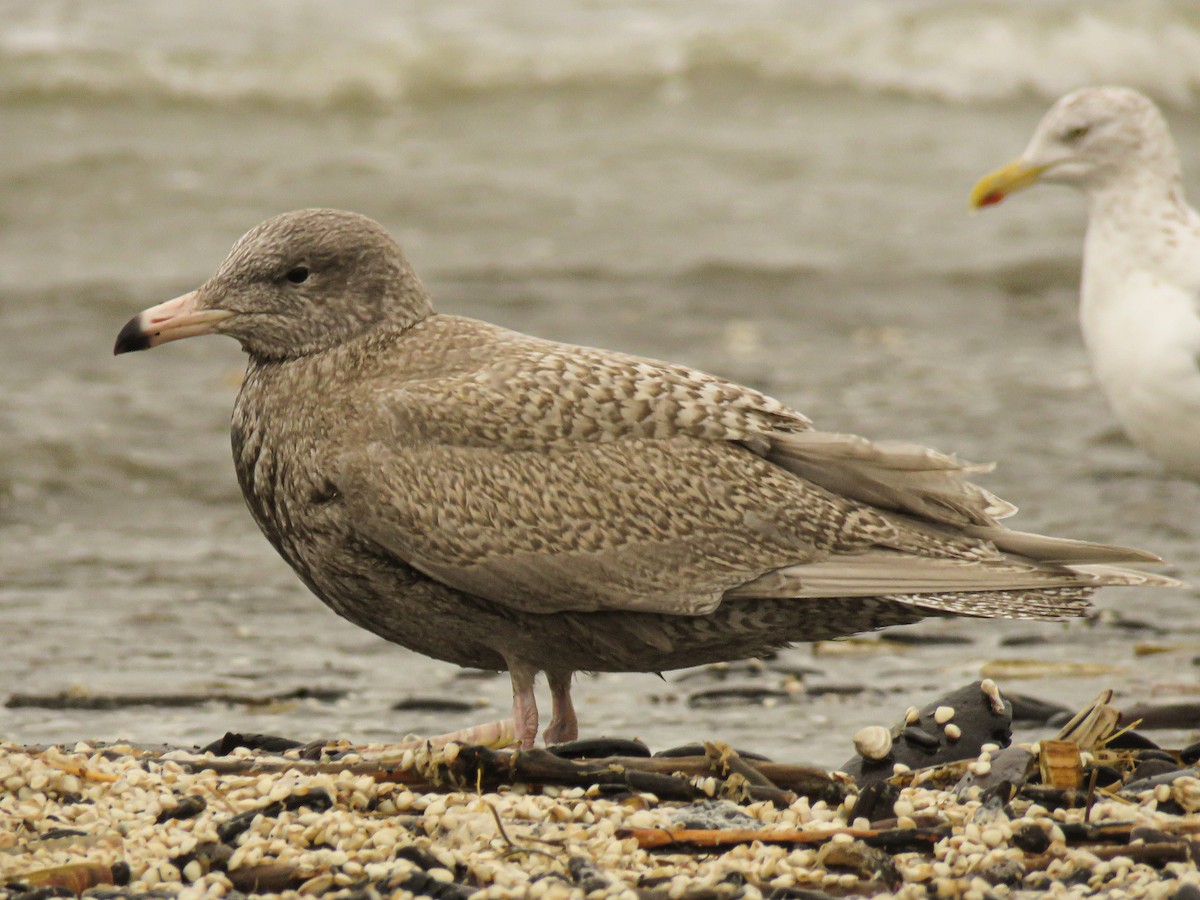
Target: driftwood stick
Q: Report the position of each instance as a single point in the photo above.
(1156, 855)
(491, 768)
(895, 840)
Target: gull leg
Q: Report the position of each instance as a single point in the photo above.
(563, 724)
(525, 714)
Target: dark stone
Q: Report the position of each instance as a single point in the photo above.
(1010, 769)
(121, 873)
(1190, 755)
(918, 638)
(1031, 838)
(232, 828)
(432, 704)
(419, 884)
(998, 794)
(736, 695)
(1163, 715)
(925, 743)
(1153, 836)
(1131, 740)
(1155, 753)
(1024, 640)
(417, 856)
(876, 801)
(1106, 776)
(316, 799)
(600, 748)
(1187, 892)
(698, 750)
(1034, 710)
(59, 833)
(834, 690)
(585, 874)
(921, 737)
(186, 808)
(268, 743)
(1007, 872)
(1153, 768)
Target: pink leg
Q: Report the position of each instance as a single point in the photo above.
(563, 724)
(525, 714)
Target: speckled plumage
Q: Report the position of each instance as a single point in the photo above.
(495, 500)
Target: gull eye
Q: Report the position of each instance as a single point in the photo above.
(1076, 134)
(298, 275)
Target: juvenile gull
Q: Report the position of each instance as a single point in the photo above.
(503, 502)
(1140, 296)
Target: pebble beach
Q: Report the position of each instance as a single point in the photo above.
(459, 821)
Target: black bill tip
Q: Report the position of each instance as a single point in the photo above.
(131, 338)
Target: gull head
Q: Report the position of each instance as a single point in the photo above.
(1094, 139)
(297, 284)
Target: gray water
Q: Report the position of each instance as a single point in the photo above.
(777, 196)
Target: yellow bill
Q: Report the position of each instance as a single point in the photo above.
(998, 184)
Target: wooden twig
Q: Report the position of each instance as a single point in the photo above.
(895, 840)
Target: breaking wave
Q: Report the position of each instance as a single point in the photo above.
(309, 53)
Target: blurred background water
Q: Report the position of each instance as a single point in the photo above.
(774, 191)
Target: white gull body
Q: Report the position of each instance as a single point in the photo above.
(1140, 293)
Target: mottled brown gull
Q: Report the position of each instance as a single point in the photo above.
(504, 502)
(1140, 297)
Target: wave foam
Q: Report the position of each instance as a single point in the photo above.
(317, 56)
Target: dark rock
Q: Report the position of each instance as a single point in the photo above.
(1007, 872)
(316, 799)
(232, 828)
(1010, 770)
(1153, 768)
(1106, 776)
(698, 750)
(922, 737)
(860, 859)
(433, 704)
(268, 743)
(186, 808)
(600, 748)
(736, 695)
(585, 874)
(876, 801)
(1144, 784)
(1131, 740)
(55, 833)
(1155, 753)
(420, 884)
(925, 742)
(1149, 835)
(1024, 640)
(919, 638)
(834, 690)
(1031, 838)
(1190, 755)
(1163, 715)
(1033, 710)
(417, 856)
